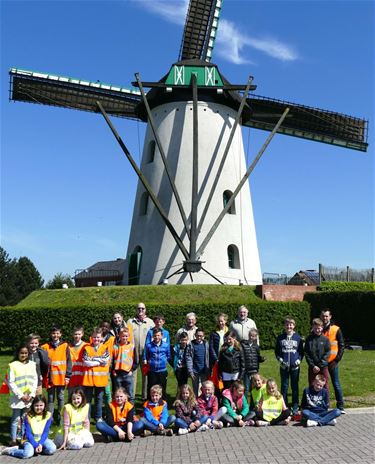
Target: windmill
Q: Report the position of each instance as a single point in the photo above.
(193, 159)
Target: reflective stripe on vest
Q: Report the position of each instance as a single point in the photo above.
(57, 363)
(96, 376)
(124, 357)
(257, 394)
(25, 375)
(271, 407)
(120, 413)
(37, 425)
(331, 334)
(155, 410)
(77, 417)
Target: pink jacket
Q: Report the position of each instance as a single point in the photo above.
(208, 406)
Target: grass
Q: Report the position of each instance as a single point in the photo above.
(357, 371)
(172, 294)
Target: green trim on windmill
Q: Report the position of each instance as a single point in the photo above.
(207, 76)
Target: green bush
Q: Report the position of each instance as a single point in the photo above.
(345, 286)
(353, 311)
(16, 323)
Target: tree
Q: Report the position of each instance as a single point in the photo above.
(28, 278)
(58, 280)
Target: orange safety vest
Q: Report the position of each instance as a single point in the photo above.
(120, 413)
(155, 410)
(57, 364)
(331, 334)
(123, 356)
(95, 376)
(76, 354)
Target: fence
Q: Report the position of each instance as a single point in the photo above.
(345, 274)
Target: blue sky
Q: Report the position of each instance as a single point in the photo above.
(67, 191)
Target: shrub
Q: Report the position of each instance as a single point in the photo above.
(345, 286)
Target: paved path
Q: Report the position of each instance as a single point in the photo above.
(350, 441)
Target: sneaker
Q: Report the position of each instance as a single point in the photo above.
(7, 449)
(209, 422)
(99, 420)
(146, 433)
(342, 410)
(169, 432)
(311, 423)
(250, 423)
(203, 428)
(332, 422)
(261, 423)
(217, 424)
(182, 431)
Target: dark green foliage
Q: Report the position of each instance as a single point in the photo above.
(58, 280)
(16, 323)
(345, 286)
(18, 278)
(353, 311)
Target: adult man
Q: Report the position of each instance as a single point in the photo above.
(190, 327)
(242, 325)
(336, 339)
(140, 324)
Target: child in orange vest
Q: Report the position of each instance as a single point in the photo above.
(76, 348)
(96, 362)
(124, 363)
(60, 370)
(120, 424)
(155, 414)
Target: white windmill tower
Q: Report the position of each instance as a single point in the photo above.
(192, 218)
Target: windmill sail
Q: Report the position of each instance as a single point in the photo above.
(200, 30)
(309, 123)
(53, 90)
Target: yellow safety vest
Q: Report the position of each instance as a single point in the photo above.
(271, 407)
(25, 376)
(37, 425)
(77, 417)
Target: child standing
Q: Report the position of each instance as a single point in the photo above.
(156, 357)
(289, 352)
(197, 360)
(159, 322)
(40, 357)
(155, 414)
(272, 409)
(231, 360)
(189, 418)
(124, 363)
(22, 379)
(315, 403)
(179, 359)
(235, 401)
(37, 425)
(252, 358)
(120, 424)
(96, 361)
(76, 422)
(209, 405)
(76, 348)
(60, 370)
(317, 351)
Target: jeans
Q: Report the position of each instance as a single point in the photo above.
(158, 378)
(28, 450)
(294, 379)
(152, 427)
(125, 380)
(247, 382)
(15, 420)
(322, 418)
(99, 395)
(59, 392)
(107, 430)
(276, 420)
(334, 374)
(227, 419)
(197, 381)
(181, 424)
(182, 376)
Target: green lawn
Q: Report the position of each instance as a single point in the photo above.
(357, 371)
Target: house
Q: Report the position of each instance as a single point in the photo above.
(308, 277)
(101, 273)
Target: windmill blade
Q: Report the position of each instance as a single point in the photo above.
(200, 30)
(309, 123)
(48, 89)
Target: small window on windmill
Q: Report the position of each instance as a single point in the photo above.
(151, 152)
(233, 257)
(143, 204)
(226, 197)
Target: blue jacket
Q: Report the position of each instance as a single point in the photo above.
(289, 350)
(147, 412)
(157, 356)
(179, 357)
(190, 355)
(164, 334)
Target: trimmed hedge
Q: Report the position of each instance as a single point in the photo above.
(346, 286)
(16, 323)
(353, 311)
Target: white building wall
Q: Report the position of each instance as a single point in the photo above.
(161, 256)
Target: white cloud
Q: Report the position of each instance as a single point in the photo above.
(172, 11)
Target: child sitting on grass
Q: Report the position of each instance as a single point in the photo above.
(189, 418)
(209, 406)
(315, 403)
(272, 409)
(156, 419)
(235, 401)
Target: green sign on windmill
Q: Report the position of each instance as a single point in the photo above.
(207, 76)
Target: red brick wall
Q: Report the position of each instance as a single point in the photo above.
(283, 292)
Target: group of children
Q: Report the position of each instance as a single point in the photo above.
(85, 369)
